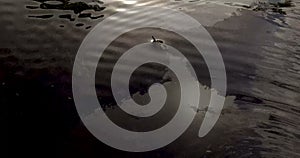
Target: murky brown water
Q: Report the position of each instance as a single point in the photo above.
(261, 52)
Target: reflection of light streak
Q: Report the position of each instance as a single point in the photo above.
(129, 1)
(121, 9)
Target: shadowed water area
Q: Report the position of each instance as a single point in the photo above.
(259, 43)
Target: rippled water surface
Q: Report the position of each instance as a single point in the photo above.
(259, 43)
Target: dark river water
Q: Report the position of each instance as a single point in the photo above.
(259, 43)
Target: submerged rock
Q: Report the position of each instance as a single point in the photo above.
(81, 9)
(77, 7)
(273, 5)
